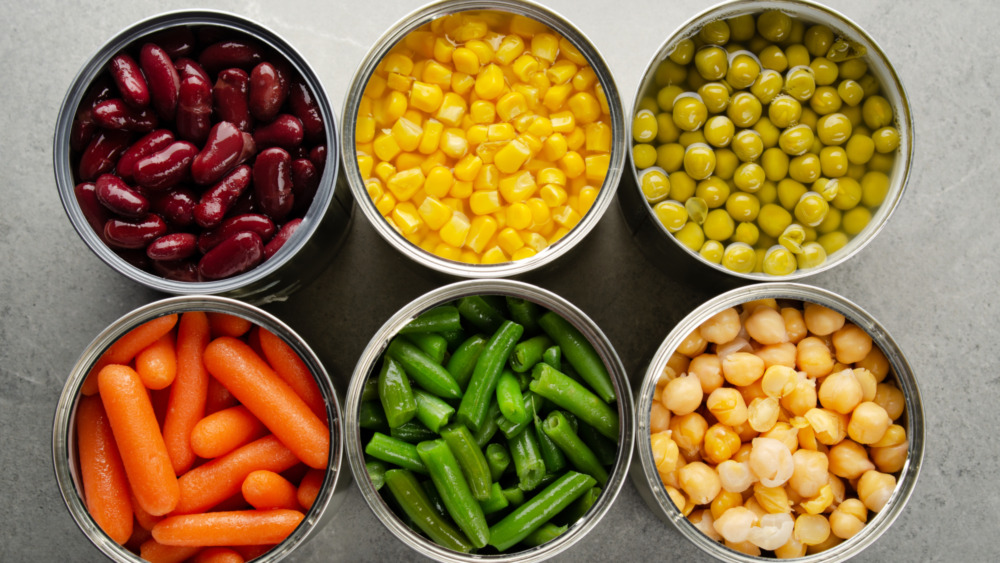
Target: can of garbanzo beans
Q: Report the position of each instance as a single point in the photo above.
(483, 139)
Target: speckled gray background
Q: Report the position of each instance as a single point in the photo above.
(929, 277)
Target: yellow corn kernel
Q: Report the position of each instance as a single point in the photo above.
(552, 195)
(566, 216)
(545, 46)
(482, 49)
(462, 83)
(447, 252)
(489, 82)
(561, 72)
(396, 62)
(518, 216)
(439, 181)
(467, 122)
(585, 107)
(524, 66)
(461, 189)
(455, 230)
(405, 183)
(364, 129)
(509, 240)
(415, 115)
(598, 137)
(374, 188)
(522, 253)
(602, 99)
(540, 213)
(465, 60)
(501, 218)
(452, 109)
(477, 134)
(421, 43)
(510, 48)
(407, 134)
(469, 257)
(425, 239)
(536, 165)
(523, 121)
(534, 241)
(473, 28)
(511, 105)
(572, 201)
(533, 143)
(385, 204)
(481, 231)
(485, 202)
(488, 150)
(572, 164)
(386, 147)
(455, 204)
(432, 137)
(366, 148)
(482, 111)
(418, 68)
(468, 168)
(365, 165)
(584, 79)
(493, 255)
(540, 127)
(558, 234)
(517, 187)
(406, 218)
(375, 87)
(398, 82)
(443, 50)
(365, 106)
(393, 107)
(408, 160)
(434, 213)
(510, 158)
(554, 147)
(556, 96)
(436, 73)
(532, 95)
(576, 138)
(551, 176)
(488, 178)
(437, 158)
(501, 132)
(570, 51)
(563, 122)
(454, 143)
(597, 167)
(587, 197)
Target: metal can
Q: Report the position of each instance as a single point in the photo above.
(665, 250)
(64, 436)
(456, 269)
(369, 362)
(648, 481)
(324, 226)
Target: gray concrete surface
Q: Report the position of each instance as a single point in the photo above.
(930, 277)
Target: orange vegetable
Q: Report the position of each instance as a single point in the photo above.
(251, 552)
(207, 485)
(189, 391)
(241, 527)
(266, 489)
(145, 520)
(125, 348)
(105, 484)
(273, 401)
(140, 443)
(309, 487)
(139, 537)
(293, 370)
(221, 432)
(219, 397)
(224, 324)
(218, 555)
(157, 363)
(155, 552)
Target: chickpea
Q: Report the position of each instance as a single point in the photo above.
(727, 405)
(890, 398)
(851, 343)
(774, 500)
(868, 423)
(782, 354)
(868, 384)
(678, 363)
(771, 461)
(830, 543)
(766, 326)
(692, 345)
(723, 502)
(742, 368)
(779, 381)
(875, 362)
(705, 522)
(875, 488)
(700, 482)
(830, 426)
(849, 460)
(890, 459)
(676, 497)
(894, 436)
(802, 398)
(735, 476)
(848, 518)
(841, 392)
(763, 413)
(720, 443)
(810, 473)
(708, 369)
(665, 452)
(792, 549)
(659, 417)
(821, 320)
(813, 357)
(721, 327)
(812, 529)
(688, 431)
(682, 395)
(795, 325)
(734, 524)
(784, 433)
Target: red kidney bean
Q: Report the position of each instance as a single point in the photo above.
(165, 168)
(246, 203)
(149, 144)
(233, 256)
(272, 182)
(128, 77)
(267, 92)
(176, 41)
(95, 213)
(181, 270)
(304, 106)
(279, 240)
(285, 132)
(231, 97)
(135, 257)
(318, 157)
(118, 197)
(84, 127)
(176, 206)
(174, 246)
(216, 202)
(125, 233)
(221, 152)
(186, 67)
(103, 152)
(162, 78)
(252, 222)
(116, 114)
(194, 109)
(239, 53)
(305, 182)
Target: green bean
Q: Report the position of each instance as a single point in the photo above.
(439, 319)
(525, 313)
(489, 427)
(578, 454)
(480, 313)
(411, 498)
(372, 417)
(533, 404)
(478, 396)
(579, 507)
(454, 338)
(554, 458)
(434, 497)
(577, 399)
(553, 356)
(528, 463)
(428, 374)
(413, 432)
(580, 354)
(495, 502)
(395, 451)
(432, 410)
(370, 391)
(498, 458)
(531, 515)
(463, 508)
(463, 361)
(510, 399)
(529, 352)
(434, 345)
(376, 472)
(605, 450)
(546, 533)
(470, 458)
(395, 393)
(514, 496)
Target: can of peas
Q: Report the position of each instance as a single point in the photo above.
(514, 437)
(196, 422)
(779, 420)
(483, 139)
(768, 139)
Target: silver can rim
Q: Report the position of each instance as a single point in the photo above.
(368, 361)
(886, 73)
(95, 64)
(550, 254)
(64, 435)
(903, 374)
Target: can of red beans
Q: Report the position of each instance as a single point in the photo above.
(358, 434)
(812, 207)
(868, 493)
(69, 431)
(470, 230)
(196, 153)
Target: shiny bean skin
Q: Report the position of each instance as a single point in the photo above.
(176, 41)
(304, 106)
(180, 270)
(162, 78)
(152, 142)
(84, 127)
(221, 152)
(272, 182)
(116, 114)
(194, 109)
(285, 131)
(239, 53)
(95, 213)
(318, 157)
(305, 182)
(216, 202)
(128, 77)
(102, 153)
(165, 168)
(176, 206)
(268, 91)
(233, 256)
(118, 197)
(187, 67)
(279, 240)
(252, 222)
(124, 233)
(231, 97)
(174, 246)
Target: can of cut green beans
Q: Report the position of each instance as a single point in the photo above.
(261, 274)
(720, 224)
(561, 215)
(67, 431)
(844, 515)
(385, 500)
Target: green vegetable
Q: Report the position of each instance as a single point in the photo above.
(428, 374)
(478, 396)
(439, 319)
(395, 393)
(498, 458)
(578, 454)
(580, 354)
(510, 399)
(434, 345)
(470, 458)
(480, 313)
(463, 361)
(372, 417)
(397, 452)
(432, 410)
(524, 313)
(413, 432)
(447, 476)
(577, 399)
(528, 462)
(531, 515)
(529, 352)
(413, 500)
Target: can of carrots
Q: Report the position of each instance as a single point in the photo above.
(198, 424)
(513, 439)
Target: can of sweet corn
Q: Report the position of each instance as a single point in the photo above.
(370, 362)
(652, 485)
(702, 257)
(65, 435)
(475, 204)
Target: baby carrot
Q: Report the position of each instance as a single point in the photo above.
(266, 489)
(157, 363)
(155, 552)
(224, 324)
(207, 485)
(125, 348)
(221, 432)
(189, 391)
(145, 520)
(240, 527)
(251, 552)
(105, 484)
(290, 367)
(259, 388)
(218, 555)
(140, 443)
(218, 398)
(309, 487)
